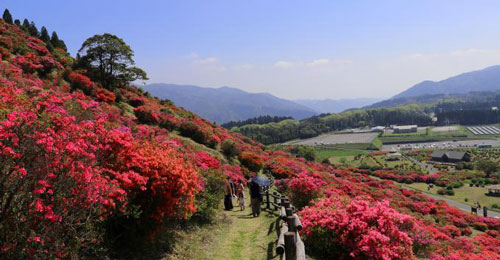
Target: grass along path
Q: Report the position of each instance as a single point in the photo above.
(235, 235)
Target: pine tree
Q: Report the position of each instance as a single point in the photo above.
(56, 42)
(7, 17)
(44, 35)
(17, 22)
(55, 39)
(33, 30)
(26, 24)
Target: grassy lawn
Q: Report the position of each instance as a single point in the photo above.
(322, 153)
(473, 194)
(235, 235)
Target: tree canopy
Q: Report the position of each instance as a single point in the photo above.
(7, 16)
(488, 166)
(109, 60)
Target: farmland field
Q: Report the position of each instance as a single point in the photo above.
(336, 139)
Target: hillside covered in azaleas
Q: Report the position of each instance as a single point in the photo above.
(86, 171)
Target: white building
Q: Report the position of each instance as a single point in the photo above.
(397, 129)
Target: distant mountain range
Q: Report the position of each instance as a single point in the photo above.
(487, 79)
(479, 82)
(226, 104)
(337, 105)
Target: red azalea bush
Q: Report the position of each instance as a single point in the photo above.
(341, 228)
(252, 161)
(105, 95)
(82, 82)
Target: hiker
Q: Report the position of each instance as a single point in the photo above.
(255, 198)
(240, 193)
(228, 197)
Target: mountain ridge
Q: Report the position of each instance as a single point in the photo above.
(329, 105)
(226, 104)
(487, 79)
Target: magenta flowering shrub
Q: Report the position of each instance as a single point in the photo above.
(341, 228)
(304, 188)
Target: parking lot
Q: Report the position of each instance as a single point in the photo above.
(442, 145)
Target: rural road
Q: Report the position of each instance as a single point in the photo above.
(455, 204)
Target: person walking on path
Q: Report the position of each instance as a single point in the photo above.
(228, 197)
(255, 198)
(240, 193)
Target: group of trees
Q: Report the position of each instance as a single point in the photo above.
(107, 59)
(260, 120)
(289, 129)
(51, 41)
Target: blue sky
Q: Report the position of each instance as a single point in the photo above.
(293, 49)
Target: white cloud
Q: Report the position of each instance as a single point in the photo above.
(208, 60)
(318, 62)
(284, 64)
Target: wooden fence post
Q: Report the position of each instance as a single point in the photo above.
(275, 198)
(290, 221)
(287, 203)
(290, 248)
(283, 213)
(268, 202)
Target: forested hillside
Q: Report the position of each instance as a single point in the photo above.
(94, 168)
(291, 129)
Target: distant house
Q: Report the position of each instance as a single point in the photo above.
(379, 129)
(398, 129)
(450, 156)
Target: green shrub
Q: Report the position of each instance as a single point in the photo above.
(208, 201)
(306, 152)
(480, 226)
(229, 148)
(446, 192)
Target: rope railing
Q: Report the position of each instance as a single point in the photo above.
(289, 245)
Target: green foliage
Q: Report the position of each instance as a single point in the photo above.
(290, 129)
(229, 148)
(7, 17)
(488, 166)
(304, 151)
(56, 42)
(208, 201)
(446, 191)
(33, 30)
(109, 61)
(26, 24)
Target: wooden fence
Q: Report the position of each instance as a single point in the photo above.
(289, 246)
